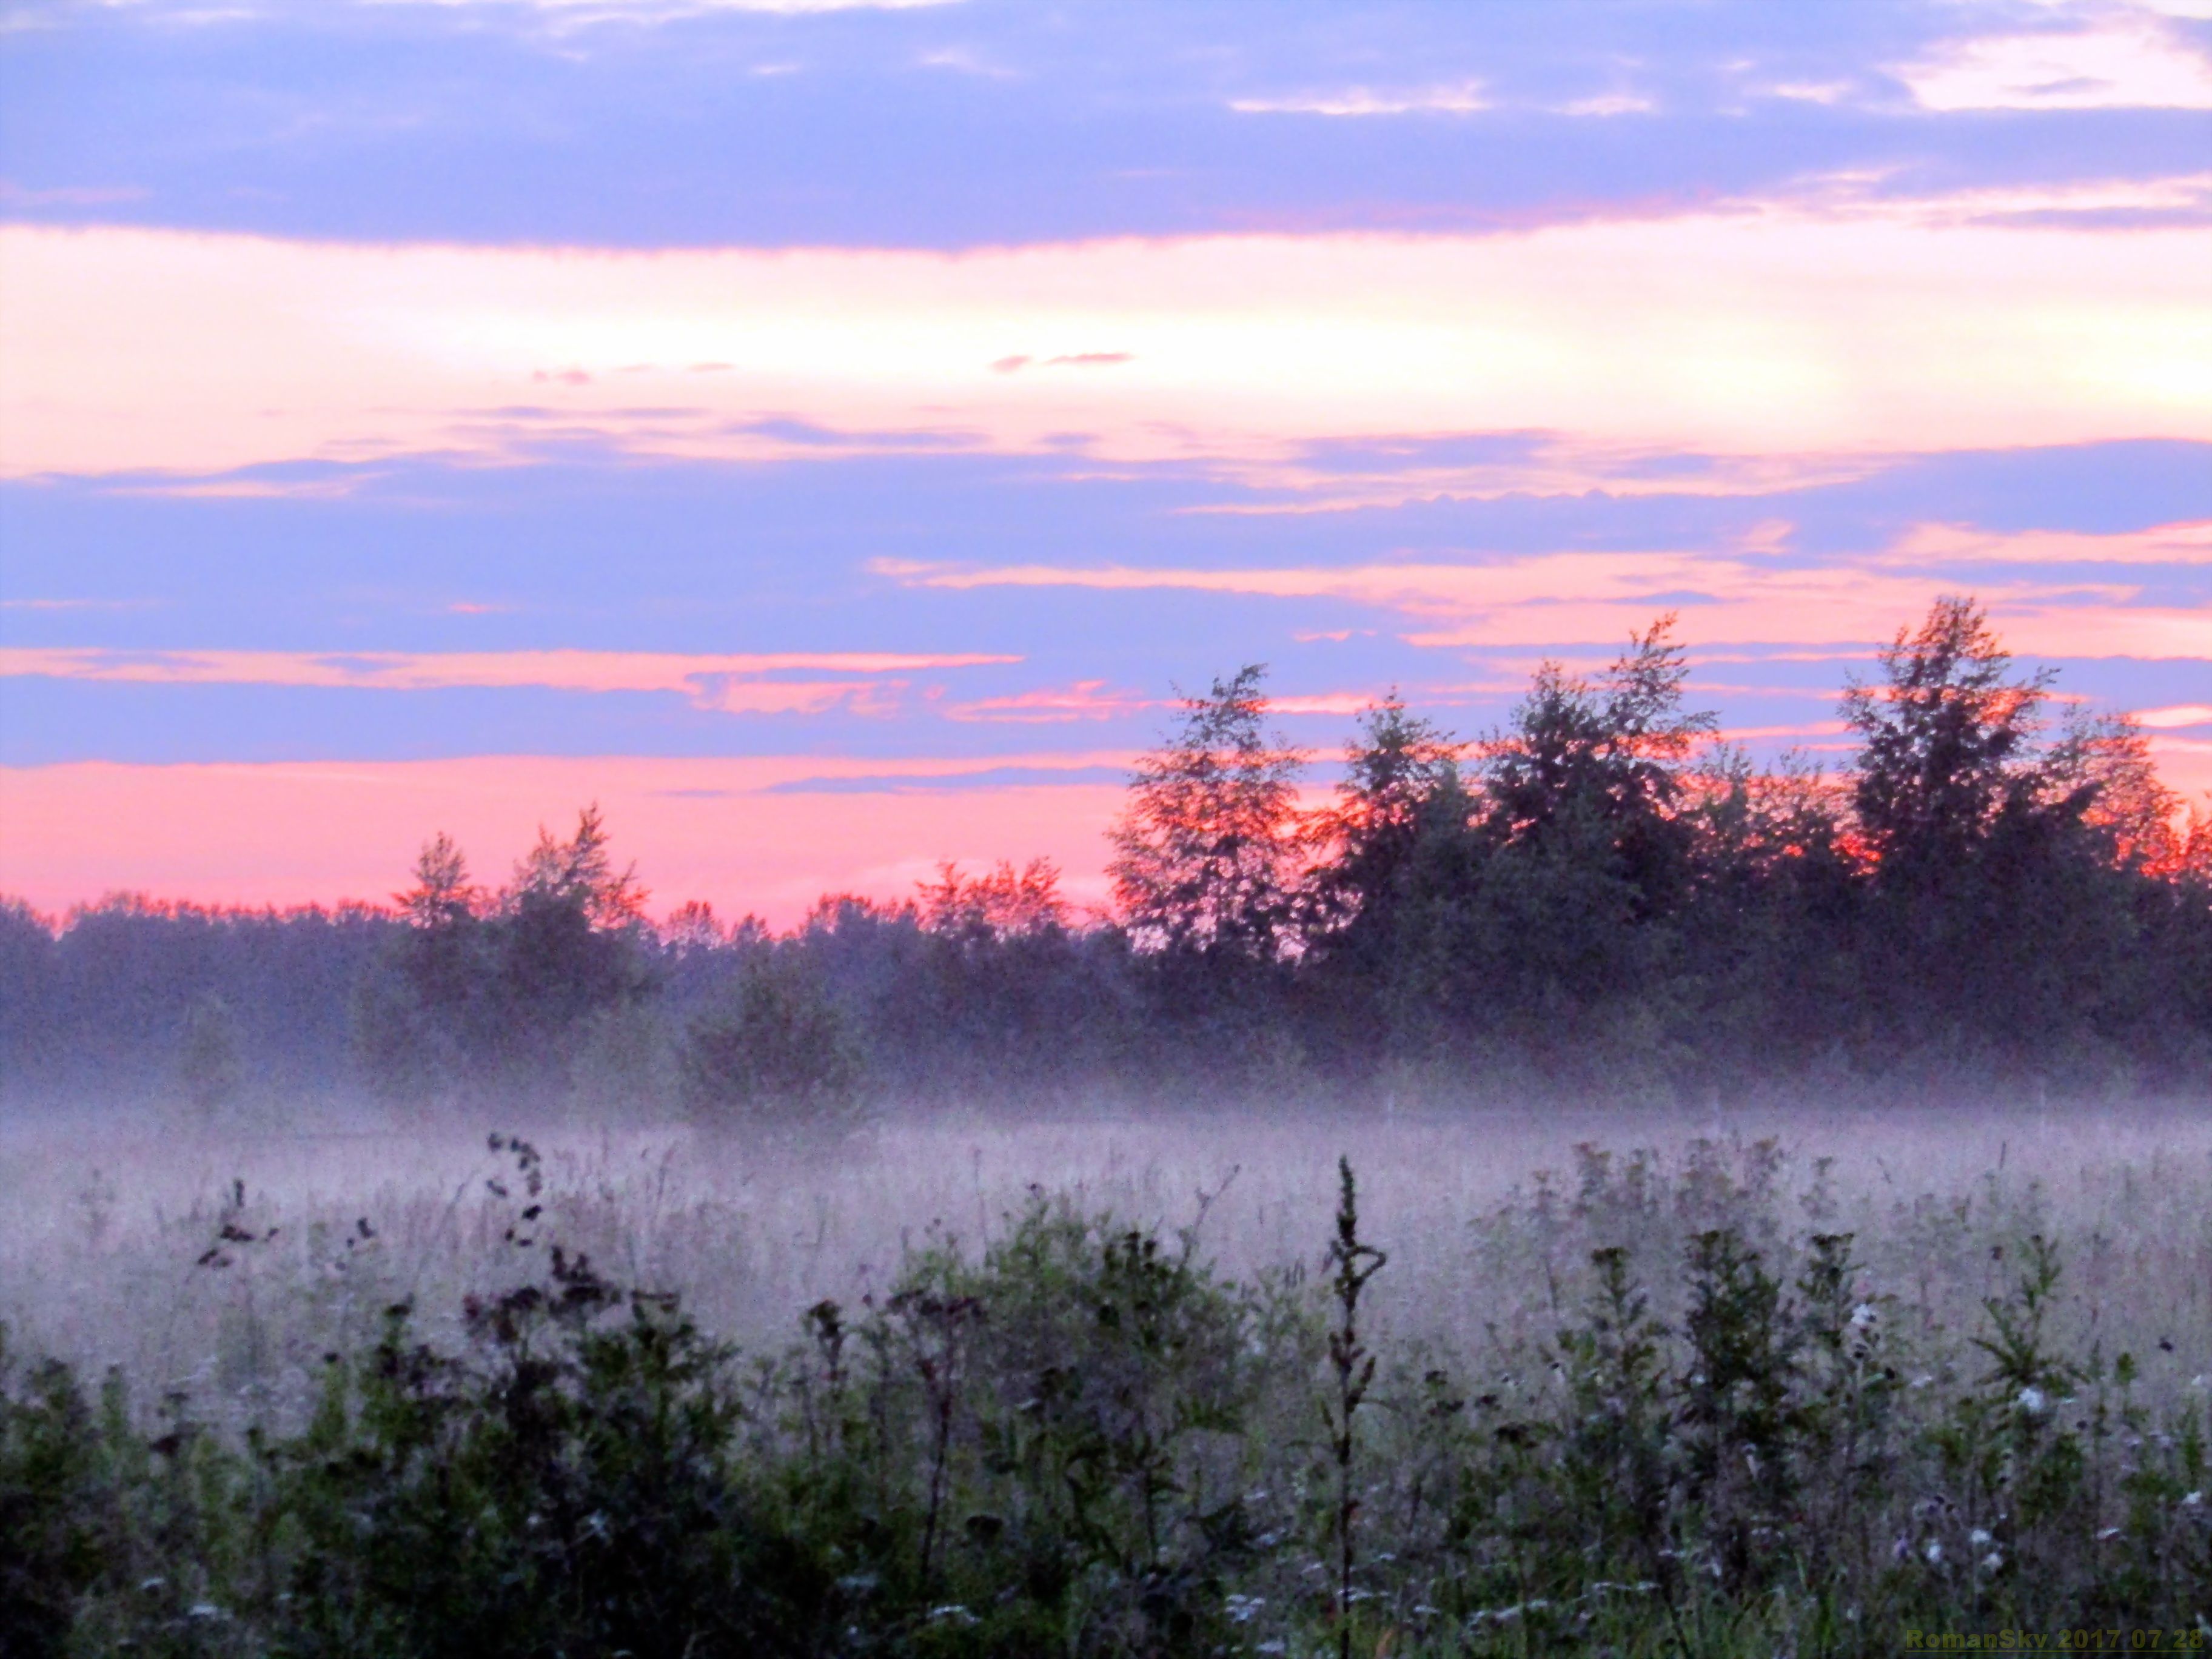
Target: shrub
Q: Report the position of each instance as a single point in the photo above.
(777, 1052)
(1082, 1441)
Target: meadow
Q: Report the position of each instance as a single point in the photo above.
(1731, 1380)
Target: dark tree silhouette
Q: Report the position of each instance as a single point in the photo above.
(1605, 761)
(1205, 855)
(1946, 737)
(1400, 773)
(1603, 900)
(776, 1052)
(1002, 903)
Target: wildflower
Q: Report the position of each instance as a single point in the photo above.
(1979, 1537)
(1862, 1317)
(2192, 1500)
(2030, 1399)
(1992, 1561)
(1933, 1553)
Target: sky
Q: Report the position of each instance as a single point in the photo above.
(829, 435)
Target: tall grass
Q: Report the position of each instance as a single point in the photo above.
(1720, 1400)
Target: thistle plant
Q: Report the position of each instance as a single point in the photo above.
(1351, 1364)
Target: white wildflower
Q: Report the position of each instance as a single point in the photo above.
(1933, 1553)
(1992, 1561)
(1979, 1536)
(2192, 1500)
(2031, 1400)
(1862, 1317)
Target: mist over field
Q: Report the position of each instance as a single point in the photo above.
(1573, 1182)
(1488, 1212)
(1105, 829)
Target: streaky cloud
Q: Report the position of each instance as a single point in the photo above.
(729, 683)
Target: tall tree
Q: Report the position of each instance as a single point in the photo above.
(1206, 852)
(2101, 767)
(1604, 762)
(579, 873)
(1946, 736)
(1401, 777)
(569, 935)
(1004, 903)
(442, 894)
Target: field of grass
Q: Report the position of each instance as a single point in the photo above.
(1088, 1385)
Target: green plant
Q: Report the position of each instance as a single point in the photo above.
(777, 1053)
(1352, 1367)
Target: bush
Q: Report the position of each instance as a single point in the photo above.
(777, 1053)
(1084, 1442)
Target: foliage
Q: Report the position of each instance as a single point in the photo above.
(1597, 896)
(776, 1052)
(504, 991)
(208, 1065)
(1002, 903)
(1204, 856)
(1947, 742)
(1080, 1439)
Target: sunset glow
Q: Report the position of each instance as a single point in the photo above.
(884, 392)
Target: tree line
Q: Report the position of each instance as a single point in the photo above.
(1599, 894)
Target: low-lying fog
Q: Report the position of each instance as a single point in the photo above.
(113, 1248)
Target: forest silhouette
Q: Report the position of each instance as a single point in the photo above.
(1599, 895)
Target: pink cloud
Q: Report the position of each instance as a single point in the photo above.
(1804, 729)
(327, 832)
(1565, 598)
(2186, 544)
(1327, 702)
(1084, 700)
(2185, 764)
(1764, 331)
(2137, 64)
